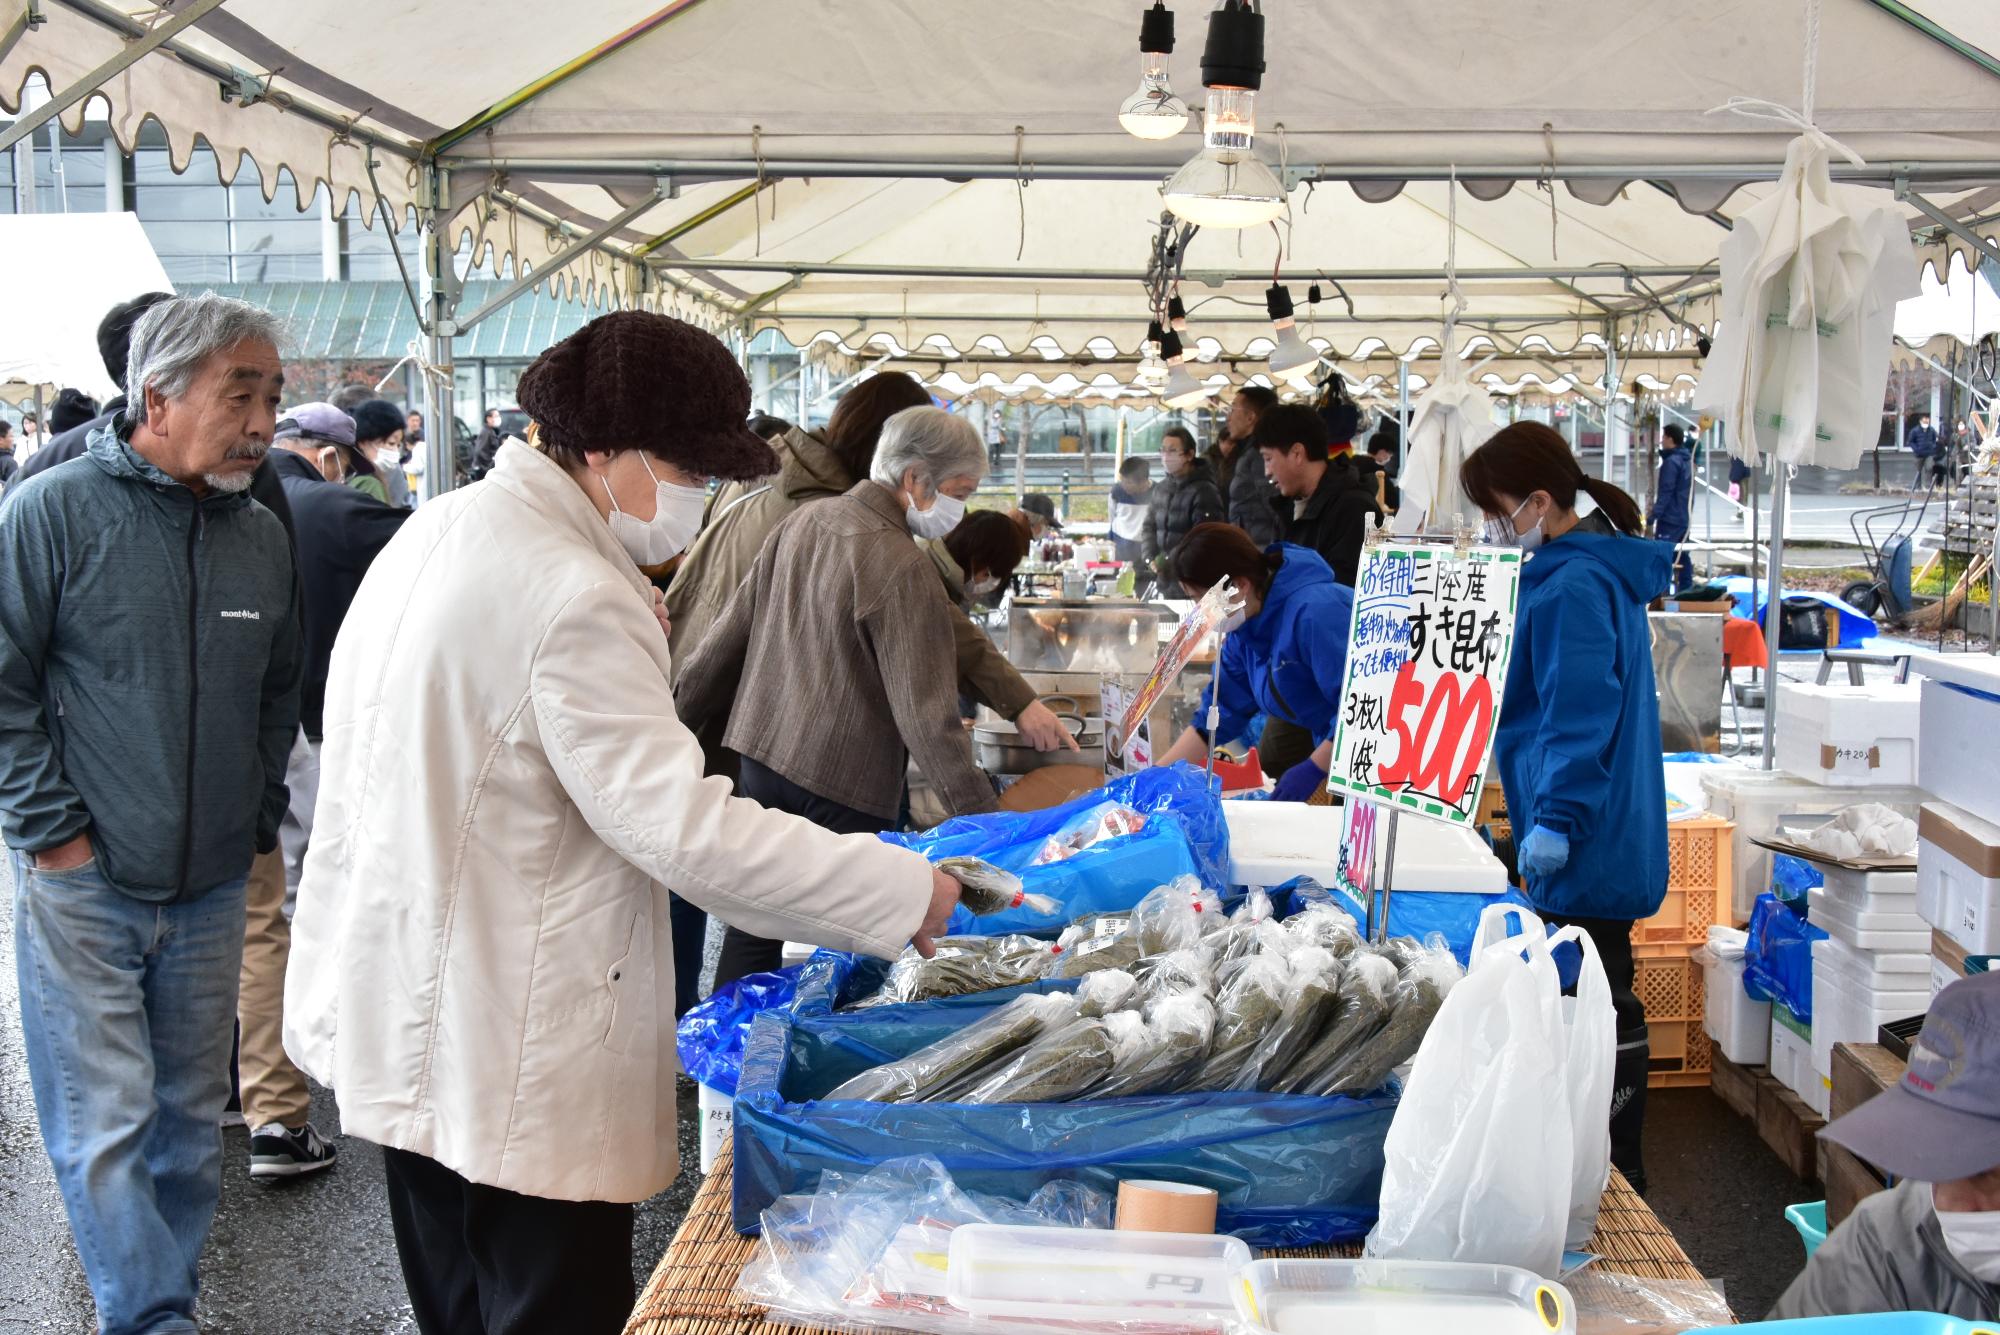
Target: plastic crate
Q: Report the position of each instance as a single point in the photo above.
(1670, 987)
(1680, 1054)
(1698, 885)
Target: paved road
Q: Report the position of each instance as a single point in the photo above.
(314, 1255)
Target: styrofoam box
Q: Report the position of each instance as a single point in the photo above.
(1958, 898)
(1848, 736)
(1272, 842)
(796, 952)
(1758, 802)
(1740, 1026)
(1871, 891)
(718, 1122)
(1846, 1010)
(1792, 1067)
(1902, 933)
(1878, 971)
(1961, 717)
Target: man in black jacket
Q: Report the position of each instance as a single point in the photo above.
(1327, 505)
(1185, 497)
(1239, 471)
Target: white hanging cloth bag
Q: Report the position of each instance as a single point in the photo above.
(1810, 281)
(1591, 1026)
(1478, 1157)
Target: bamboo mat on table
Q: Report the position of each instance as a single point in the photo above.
(693, 1289)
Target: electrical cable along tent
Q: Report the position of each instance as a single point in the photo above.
(947, 186)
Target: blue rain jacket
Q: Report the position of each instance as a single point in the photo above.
(1673, 499)
(1578, 744)
(1287, 661)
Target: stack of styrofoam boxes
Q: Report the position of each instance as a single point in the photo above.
(1846, 745)
(1739, 1025)
(1665, 976)
(1872, 968)
(1958, 832)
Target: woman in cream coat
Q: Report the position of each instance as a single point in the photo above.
(481, 964)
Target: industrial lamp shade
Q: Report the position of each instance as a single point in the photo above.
(1226, 185)
(1182, 390)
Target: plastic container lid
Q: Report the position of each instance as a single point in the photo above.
(1091, 1274)
(1399, 1298)
(1728, 942)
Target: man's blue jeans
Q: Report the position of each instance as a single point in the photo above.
(129, 1010)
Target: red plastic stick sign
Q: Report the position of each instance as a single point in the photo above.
(1426, 666)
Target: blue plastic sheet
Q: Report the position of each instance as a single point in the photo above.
(1793, 879)
(710, 1036)
(1777, 963)
(1289, 1170)
(1451, 914)
(1856, 627)
(1184, 835)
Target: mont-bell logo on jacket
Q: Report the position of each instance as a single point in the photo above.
(242, 614)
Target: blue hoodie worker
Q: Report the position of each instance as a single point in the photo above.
(1578, 743)
(1285, 661)
(1673, 498)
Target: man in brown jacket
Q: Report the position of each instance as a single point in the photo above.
(834, 662)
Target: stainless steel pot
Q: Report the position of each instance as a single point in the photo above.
(999, 748)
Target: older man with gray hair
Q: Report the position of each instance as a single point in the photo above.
(834, 662)
(149, 689)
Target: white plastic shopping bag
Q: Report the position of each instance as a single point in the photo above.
(1479, 1156)
(1592, 1030)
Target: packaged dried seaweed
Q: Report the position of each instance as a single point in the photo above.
(1178, 971)
(1256, 906)
(1055, 1068)
(1312, 991)
(1327, 926)
(986, 889)
(1420, 993)
(1175, 916)
(1177, 1030)
(1367, 991)
(964, 965)
(1104, 992)
(1093, 927)
(986, 1040)
(1104, 952)
(1246, 1007)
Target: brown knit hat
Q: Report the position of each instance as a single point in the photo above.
(635, 380)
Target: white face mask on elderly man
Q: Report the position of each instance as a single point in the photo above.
(676, 520)
(940, 519)
(1973, 1238)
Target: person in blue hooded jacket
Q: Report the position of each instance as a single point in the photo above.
(1578, 742)
(1285, 661)
(1673, 499)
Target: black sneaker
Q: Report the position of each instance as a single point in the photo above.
(278, 1152)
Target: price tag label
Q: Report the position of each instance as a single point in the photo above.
(1427, 659)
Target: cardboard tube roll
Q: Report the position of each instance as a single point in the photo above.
(1165, 1207)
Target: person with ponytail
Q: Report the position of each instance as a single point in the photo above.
(1578, 743)
(1285, 661)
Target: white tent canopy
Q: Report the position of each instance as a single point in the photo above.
(949, 179)
(68, 269)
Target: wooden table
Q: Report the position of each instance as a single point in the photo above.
(693, 1289)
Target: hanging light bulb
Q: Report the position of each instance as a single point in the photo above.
(1152, 366)
(1176, 316)
(1154, 112)
(1294, 361)
(1182, 390)
(1226, 184)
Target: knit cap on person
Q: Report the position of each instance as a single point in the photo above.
(636, 380)
(377, 419)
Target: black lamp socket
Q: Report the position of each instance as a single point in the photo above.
(1170, 346)
(1156, 29)
(1278, 301)
(1234, 54)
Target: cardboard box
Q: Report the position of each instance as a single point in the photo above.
(1951, 961)
(1722, 607)
(1050, 786)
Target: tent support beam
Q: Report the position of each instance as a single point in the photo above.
(30, 18)
(557, 262)
(83, 88)
(1946, 221)
(707, 215)
(690, 171)
(1203, 277)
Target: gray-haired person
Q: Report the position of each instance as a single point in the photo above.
(149, 683)
(834, 661)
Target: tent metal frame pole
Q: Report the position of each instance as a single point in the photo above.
(557, 262)
(696, 170)
(1203, 277)
(1774, 609)
(185, 17)
(440, 295)
(1946, 221)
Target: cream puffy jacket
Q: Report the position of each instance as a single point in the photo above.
(481, 964)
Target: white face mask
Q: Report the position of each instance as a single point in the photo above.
(1502, 533)
(979, 588)
(676, 519)
(1973, 1239)
(940, 519)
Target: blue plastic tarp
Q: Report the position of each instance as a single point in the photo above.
(1777, 963)
(1452, 915)
(1184, 835)
(710, 1037)
(1289, 1170)
(1856, 626)
(1793, 880)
